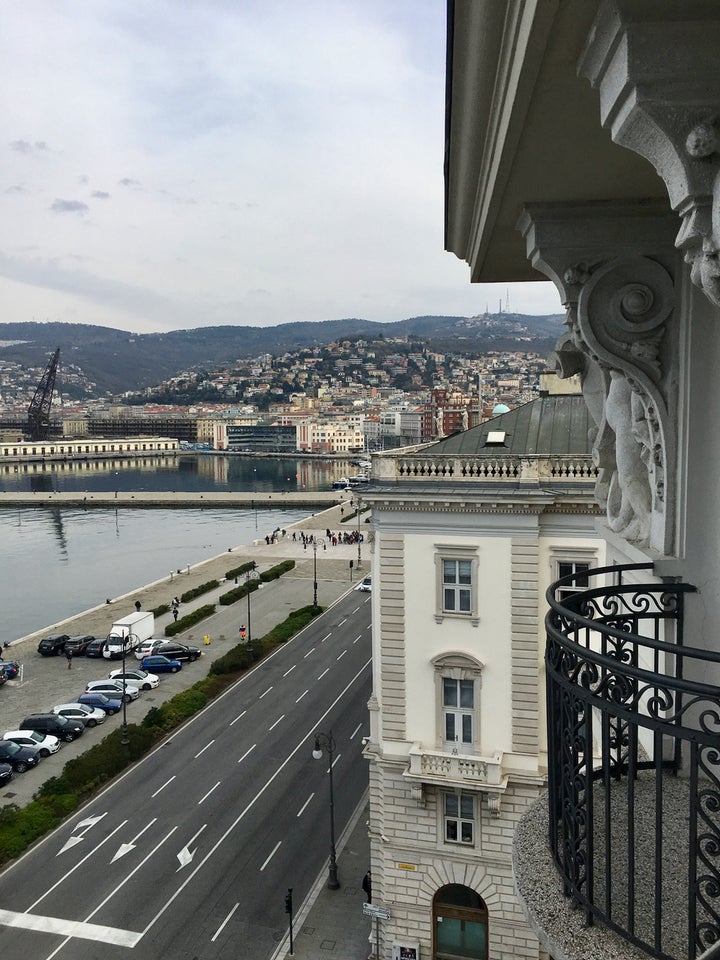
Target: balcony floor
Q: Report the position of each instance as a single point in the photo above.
(562, 929)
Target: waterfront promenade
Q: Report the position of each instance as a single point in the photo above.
(312, 499)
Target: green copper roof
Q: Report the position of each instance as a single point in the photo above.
(544, 427)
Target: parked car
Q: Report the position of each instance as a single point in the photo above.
(44, 743)
(19, 758)
(6, 774)
(365, 586)
(97, 699)
(147, 648)
(9, 669)
(178, 651)
(79, 645)
(59, 727)
(83, 712)
(53, 645)
(139, 678)
(159, 664)
(117, 689)
(95, 647)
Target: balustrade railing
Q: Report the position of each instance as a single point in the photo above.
(418, 466)
(634, 761)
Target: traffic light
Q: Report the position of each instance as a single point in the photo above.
(288, 901)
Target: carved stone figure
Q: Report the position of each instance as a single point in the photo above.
(439, 420)
(629, 500)
(465, 419)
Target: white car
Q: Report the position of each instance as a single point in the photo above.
(115, 689)
(139, 678)
(87, 715)
(147, 648)
(365, 586)
(44, 743)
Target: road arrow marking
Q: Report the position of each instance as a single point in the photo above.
(70, 844)
(90, 822)
(127, 847)
(83, 827)
(186, 854)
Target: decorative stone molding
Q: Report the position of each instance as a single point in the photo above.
(456, 770)
(613, 266)
(493, 801)
(672, 122)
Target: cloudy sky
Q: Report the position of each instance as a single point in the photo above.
(183, 163)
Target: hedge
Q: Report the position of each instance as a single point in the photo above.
(237, 593)
(239, 571)
(190, 619)
(159, 611)
(274, 573)
(199, 590)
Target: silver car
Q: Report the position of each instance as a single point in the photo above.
(44, 743)
(87, 715)
(115, 689)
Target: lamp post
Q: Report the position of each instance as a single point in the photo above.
(325, 740)
(357, 504)
(127, 639)
(249, 575)
(316, 542)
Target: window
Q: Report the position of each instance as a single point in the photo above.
(572, 560)
(458, 711)
(458, 678)
(459, 813)
(456, 572)
(567, 567)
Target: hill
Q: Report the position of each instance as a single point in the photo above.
(116, 360)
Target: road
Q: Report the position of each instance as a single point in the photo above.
(190, 853)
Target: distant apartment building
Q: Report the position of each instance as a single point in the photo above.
(254, 437)
(329, 437)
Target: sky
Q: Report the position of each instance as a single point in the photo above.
(190, 163)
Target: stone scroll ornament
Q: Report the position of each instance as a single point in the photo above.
(616, 331)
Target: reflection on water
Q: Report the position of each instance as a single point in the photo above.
(57, 562)
(197, 473)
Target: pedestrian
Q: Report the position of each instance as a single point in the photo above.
(68, 657)
(138, 606)
(206, 639)
(243, 632)
(175, 614)
(367, 886)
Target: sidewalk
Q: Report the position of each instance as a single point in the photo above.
(331, 923)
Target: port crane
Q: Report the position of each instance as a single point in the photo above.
(39, 410)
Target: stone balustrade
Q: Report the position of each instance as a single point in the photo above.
(435, 766)
(493, 469)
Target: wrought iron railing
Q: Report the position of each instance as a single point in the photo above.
(634, 761)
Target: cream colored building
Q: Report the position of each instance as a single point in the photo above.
(469, 533)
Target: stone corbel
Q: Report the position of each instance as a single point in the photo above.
(671, 115)
(417, 793)
(613, 266)
(493, 802)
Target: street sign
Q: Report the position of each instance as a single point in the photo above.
(375, 910)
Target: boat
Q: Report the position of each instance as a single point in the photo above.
(341, 484)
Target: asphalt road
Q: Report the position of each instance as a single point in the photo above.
(189, 855)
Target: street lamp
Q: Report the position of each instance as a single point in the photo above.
(325, 740)
(316, 542)
(249, 575)
(127, 639)
(357, 504)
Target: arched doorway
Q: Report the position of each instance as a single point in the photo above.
(460, 924)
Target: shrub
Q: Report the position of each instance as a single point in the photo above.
(159, 611)
(199, 590)
(237, 593)
(190, 619)
(240, 571)
(180, 707)
(277, 571)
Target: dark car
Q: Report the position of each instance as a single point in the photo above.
(79, 645)
(6, 774)
(53, 645)
(95, 647)
(9, 669)
(59, 727)
(159, 664)
(19, 758)
(100, 700)
(178, 651)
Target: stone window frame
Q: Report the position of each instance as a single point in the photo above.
(456, 665)
(456, 552)
(570, 554)
(460, 794)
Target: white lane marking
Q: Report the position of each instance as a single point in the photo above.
(153, 795)
(290, 670)
(239, 717)
(341, 655)
(274, 851)
(70, 928)
(308, 653)
(369, 626)
(356, 639)
(247, 752)
(358, 727)
(326, 638)
(186, 855)
(341, 623)
(326, 670)
(265, 694)
(223, 924)
(355, 610)
(302, 808)
(301, 696)
(208, 793)
(113, 893)
(299, 746)
(276, 723)
(77, 865)
(336, 759)
(203, 749)
(127, 847)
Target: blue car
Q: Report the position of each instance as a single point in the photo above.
(100, 700)
(159, 664)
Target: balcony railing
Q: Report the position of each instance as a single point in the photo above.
(434, 766)
(492, 469)
(634, 762)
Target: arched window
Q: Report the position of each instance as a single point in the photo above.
(460, 924)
